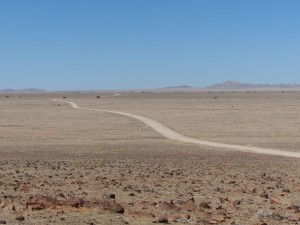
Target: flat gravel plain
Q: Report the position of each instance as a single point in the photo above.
(64, 166)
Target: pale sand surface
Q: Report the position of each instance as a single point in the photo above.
(59, 151)
(261, 119)
(173, 135)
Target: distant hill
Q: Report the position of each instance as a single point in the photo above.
(177, 87)
(237, 85)
(29, 90)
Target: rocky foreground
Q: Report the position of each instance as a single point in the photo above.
(147, 188)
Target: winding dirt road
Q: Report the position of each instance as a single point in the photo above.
(173, 135)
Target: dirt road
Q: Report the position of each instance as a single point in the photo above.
(173, 135)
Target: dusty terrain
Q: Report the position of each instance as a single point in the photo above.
(65, 166)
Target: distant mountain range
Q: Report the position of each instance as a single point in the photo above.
(29, 90)
(225, 85)
(237, 85)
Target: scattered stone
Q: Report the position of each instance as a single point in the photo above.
(286, 190)
(162, 219)
(274, 200)
(261, 214)
(135, 213)
(276, 216)
(217, 219)
(39, 202)
(24, 187)
(168, 206)
(263, 194)
(294, 207)
(20, 218)
(205, 205)
(74, 202)
(61, 195)
(185, 216)
(112, 196)
(203, 222)
(295, 217)
(112, 206)
(252, 190)
(189, 205)
(236, 202)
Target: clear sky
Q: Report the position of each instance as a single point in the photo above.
(98, 44)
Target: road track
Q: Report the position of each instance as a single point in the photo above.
(173, 135)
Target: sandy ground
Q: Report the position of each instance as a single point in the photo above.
(174, 135)
(262, 119)
(55, 151)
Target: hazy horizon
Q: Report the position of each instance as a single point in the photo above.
(119, 45)
(183, 86)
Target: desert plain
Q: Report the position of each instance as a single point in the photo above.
(60, 165)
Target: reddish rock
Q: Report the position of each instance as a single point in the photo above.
(38, 202)
(236, 202)
(203, 221)
(217, 219)
(263, 194)
(2, 205)
(295, 217)
(219, 213)
(293, 207)
(241, 189)
(89, 204)
(142, 205)
(74, 202)
(135, 213)
(112, 206)
(220, 207)
(189, 205)
(223, 199)
(274, 200)
(205, 205)
(185, 216)
(24, 187)
(168, 206)
(252, 190)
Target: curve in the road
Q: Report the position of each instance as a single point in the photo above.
(173, 135)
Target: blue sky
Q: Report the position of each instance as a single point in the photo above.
(79, 44)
